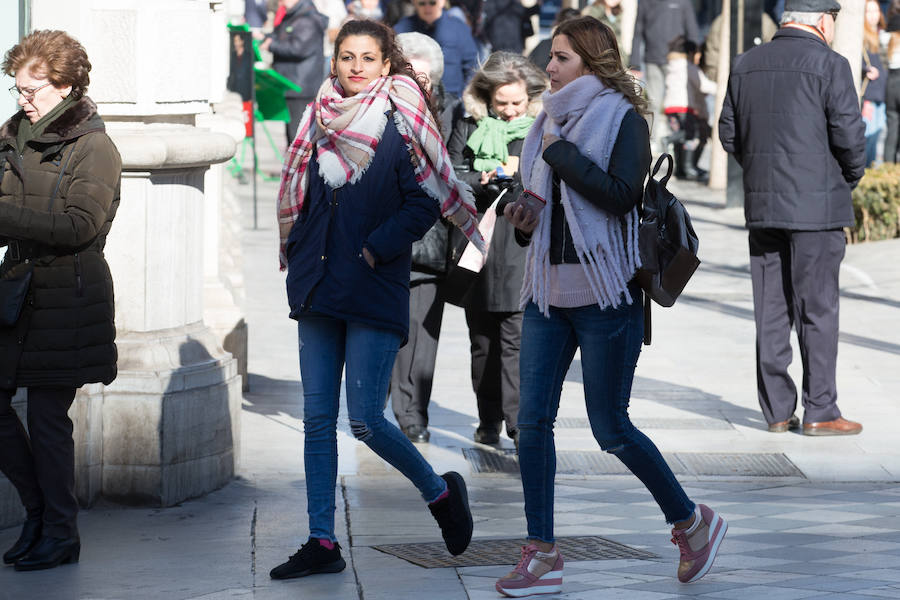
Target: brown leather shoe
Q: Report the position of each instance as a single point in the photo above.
(782, 426)
(839, 426)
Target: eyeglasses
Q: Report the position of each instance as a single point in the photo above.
(833, 14)
(429, 3)
(15, 92)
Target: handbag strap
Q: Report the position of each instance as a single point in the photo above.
(665, 179)
(62, 172)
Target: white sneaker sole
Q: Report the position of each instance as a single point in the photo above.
(538, 588)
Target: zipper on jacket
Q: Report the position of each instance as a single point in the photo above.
(79, 286)
(324, 256)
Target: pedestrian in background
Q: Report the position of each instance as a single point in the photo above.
(256, 13)
(505, 24)
(366, 176)
(685, 108)
(587, 154)
(296, 45)
(874, 80)
(413, 373)
(501, 102)
(659, 22)
(791, 119)
(58, 195)
(892, 98)
(610, 12)
(453, 36)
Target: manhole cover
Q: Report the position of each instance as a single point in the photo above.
(651, 423)
(756, 465)
(603, 463)
(482, 553)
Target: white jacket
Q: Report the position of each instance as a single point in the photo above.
(686, 86)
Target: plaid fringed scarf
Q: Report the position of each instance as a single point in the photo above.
(344, 133)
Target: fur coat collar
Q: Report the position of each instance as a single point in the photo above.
(79, 119)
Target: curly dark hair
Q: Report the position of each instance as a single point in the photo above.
(596, 44)
(53, 54)
(387, 42)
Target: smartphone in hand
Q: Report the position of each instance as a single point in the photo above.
(531, 201)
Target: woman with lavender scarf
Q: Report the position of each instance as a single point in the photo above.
(587, 154)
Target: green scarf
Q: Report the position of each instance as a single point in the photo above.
(29, 131)
(490, 140)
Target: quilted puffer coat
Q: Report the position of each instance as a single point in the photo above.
(57, 202)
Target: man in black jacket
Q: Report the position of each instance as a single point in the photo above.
(791, 119)
(297, 44)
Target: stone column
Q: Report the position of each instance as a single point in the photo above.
(168, 428)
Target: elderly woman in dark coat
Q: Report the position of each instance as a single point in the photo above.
(501, 101)
(58, 195)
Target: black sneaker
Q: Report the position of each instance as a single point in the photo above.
(312, 558)
(453, 515)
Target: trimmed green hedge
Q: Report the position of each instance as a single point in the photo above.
(876, 204)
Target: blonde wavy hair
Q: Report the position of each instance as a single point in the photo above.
(596, 44)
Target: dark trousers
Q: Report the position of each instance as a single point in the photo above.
(296, 106)
(413, 372)
(41, 463)
(892, 141)
(795, 284)
(495, 339)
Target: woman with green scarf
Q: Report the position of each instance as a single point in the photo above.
(501, 102)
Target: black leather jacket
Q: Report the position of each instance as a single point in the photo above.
(616, 190)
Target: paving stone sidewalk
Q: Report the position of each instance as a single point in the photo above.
(809, 517)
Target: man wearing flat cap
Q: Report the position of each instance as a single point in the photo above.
(791, 118)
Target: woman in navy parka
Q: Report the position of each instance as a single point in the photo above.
(367, 175)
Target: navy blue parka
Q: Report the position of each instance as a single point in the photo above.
(384, 211)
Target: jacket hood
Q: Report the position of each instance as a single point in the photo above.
(77, 120)
(478, 109)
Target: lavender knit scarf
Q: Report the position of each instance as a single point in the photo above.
(588, 114)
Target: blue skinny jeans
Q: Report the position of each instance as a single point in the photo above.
(327, 345)
(610, 341)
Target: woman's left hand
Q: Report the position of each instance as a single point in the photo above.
(368, 256)
(549, 139)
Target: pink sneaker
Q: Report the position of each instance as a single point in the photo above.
(537, 573)
(699, 543)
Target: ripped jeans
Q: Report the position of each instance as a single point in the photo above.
(610, 341)
(327, 344)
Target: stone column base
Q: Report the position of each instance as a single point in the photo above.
(166, 430)
(171, 419)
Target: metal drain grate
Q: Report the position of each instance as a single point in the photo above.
(483, 553)
(756, 465)
(567, 462)
(603, 463)
(651, 423)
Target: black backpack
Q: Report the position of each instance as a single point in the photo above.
(667, 244)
